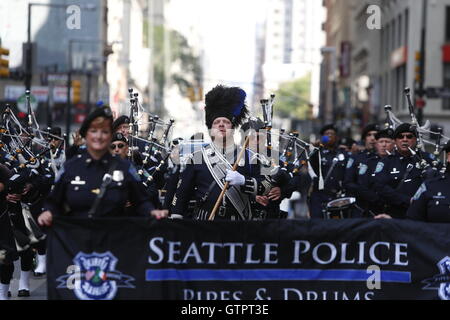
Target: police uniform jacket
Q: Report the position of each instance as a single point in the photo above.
(431, 203)
(353, 166)
(6, 233)
(366, 196)
(397, 179)
(79, 181)
(196, 182)
(334, 183)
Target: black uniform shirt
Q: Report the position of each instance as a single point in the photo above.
(79, 182)
(354, 163)
(196, 182)
(335, 173)
(431, 203)
(397, 179)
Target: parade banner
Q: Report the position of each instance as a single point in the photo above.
(353, 259)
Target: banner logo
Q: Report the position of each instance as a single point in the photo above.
(95, 277)
(440, 282)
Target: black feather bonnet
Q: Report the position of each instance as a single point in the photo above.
(228, 102)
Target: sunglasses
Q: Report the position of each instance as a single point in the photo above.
(114, 146)
(407, 136)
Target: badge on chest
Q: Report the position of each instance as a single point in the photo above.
(78, 181)
(118, 176)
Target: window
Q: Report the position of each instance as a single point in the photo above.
(446, 84)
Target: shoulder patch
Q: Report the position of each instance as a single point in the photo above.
(419, 191)
(350, 163)
(379, 167)
(362, 169)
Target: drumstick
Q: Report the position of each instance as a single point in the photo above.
(225, 187)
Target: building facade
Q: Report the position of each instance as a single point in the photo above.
(385, 40)
(63, 38)
(292, 41)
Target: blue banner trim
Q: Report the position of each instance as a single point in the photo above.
(272, 275)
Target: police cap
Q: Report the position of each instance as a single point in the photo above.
(119, 121)
(327, 127)
(56, 131)
(385, 133)
(368, 128)
(103, 111)
(119, 137)
(404, 127)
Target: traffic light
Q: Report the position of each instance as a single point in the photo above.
(191, 94)
(76, 91)
(417, 68)
(200, 93)
(4, 63)
(195, 94)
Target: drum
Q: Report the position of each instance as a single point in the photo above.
(340, 208)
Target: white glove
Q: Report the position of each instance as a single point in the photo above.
(235, 178)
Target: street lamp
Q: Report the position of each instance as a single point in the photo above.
(69, 81)
(28, 50)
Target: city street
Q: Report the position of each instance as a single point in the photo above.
(225, 149)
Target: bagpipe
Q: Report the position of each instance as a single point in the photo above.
(295, 154)
(150, 155)
(425, 137)
(285, 152)
(24, 148)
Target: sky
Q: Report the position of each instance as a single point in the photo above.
(226, 31)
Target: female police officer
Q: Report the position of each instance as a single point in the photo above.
(431, 203)
(83, 179)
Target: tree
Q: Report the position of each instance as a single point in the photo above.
(189, 73)
(292, 99)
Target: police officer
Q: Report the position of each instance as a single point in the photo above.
(119, 146)
(137, 154)
(367, 198)
(207, 169)
(354, 162)
(56, 155)
(122, 125)
(29, 180)
(348, 145)
(329, 168)
(277, 179)
(173, 173)
(399, 175)
(8, 249)
(97, 183)
(431, 203)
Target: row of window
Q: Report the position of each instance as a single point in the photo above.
(394, 35)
